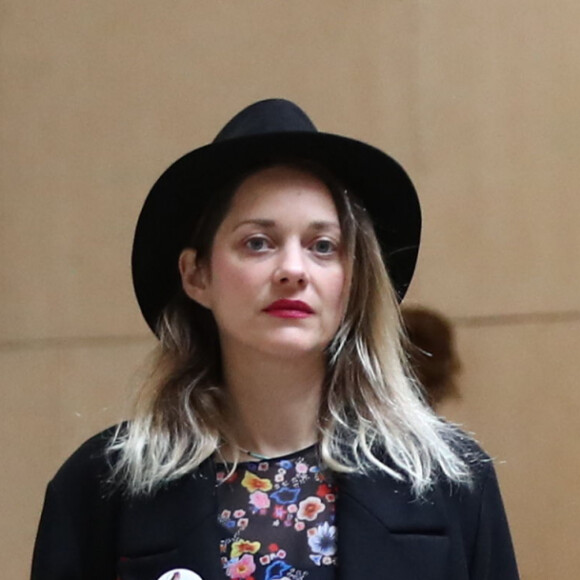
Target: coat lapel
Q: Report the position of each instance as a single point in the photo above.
(175, 529)
(386, 533)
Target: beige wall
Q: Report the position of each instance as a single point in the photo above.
(477, 99)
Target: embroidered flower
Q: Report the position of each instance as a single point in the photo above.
(263, 466)
(242, 568)
(239, 514)
(285, 464)
(299, 526)
(309, 508)
(279, 512)
(254, 483)
(260, 500)
(241, 546)
(292, 508)
(277, 570)
(323, 490)
(301, 468)
(243, 523)
(322, 539)
(284, 495)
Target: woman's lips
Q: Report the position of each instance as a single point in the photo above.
(289, 309)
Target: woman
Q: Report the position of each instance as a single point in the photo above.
(281, 434)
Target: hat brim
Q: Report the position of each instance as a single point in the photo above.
(168, 215)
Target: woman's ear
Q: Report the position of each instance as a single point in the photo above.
(194, 280)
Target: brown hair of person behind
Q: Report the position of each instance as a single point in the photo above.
(432, 353)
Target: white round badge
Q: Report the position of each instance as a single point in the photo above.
(180, 574)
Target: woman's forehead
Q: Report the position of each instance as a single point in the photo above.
(282, 185)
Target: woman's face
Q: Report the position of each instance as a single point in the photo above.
(276, 278)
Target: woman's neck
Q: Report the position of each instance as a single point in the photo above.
(274, 402)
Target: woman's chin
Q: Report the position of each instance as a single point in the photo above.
(283, 344)
(285, 348)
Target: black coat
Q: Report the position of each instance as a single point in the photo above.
(86, 533)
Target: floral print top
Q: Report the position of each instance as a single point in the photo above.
(277, 519)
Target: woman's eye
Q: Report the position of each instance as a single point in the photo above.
(257, 244)
(324, 247)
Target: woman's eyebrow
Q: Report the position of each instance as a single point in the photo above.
(264, 223)
(324, 225)
(257, 222)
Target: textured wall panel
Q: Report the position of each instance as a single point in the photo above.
(521, 398)
(52, 400)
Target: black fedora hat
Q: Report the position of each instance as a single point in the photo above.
(269, 130)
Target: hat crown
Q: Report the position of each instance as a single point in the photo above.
(268, 116)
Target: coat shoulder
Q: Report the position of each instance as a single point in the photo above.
(78, 520)
(477, 508)
(90, 465)
(467, 496)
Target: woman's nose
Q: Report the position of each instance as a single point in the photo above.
(291, 268)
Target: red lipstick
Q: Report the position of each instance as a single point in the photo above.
(289, 309)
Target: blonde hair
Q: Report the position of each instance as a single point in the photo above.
(372, 416)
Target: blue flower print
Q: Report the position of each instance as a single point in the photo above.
(323, 541)
(285, 495)
(277, 570)
(285, 464)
